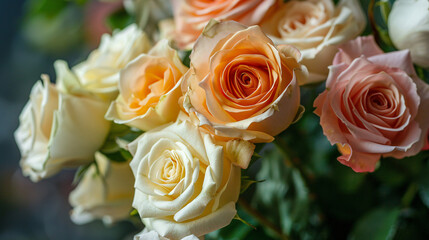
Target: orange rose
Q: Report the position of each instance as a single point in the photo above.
(191, 16)
(240, 85)
(149, 89)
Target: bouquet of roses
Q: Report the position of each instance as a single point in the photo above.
(176, 125)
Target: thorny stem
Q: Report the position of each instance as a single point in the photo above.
(262, 219)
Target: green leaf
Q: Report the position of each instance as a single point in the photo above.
(283, 196)
(236, 230)
(246, 182)
(80, 172)
(185, 57)
(379, 224)
(237, 217)
(80, 2)
(111, 147)
(48, 8)
(256, 155)
(384, 9)
(116, 156)
(350, 181)
(384, 35)
(116, 131)
(131, 135)
(119, 19)
(423, 185)
(134, 212)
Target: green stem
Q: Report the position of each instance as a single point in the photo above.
(409, 195)
(372, 22)
(262, 219)
(292, 161)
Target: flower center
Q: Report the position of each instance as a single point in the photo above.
(171, 168)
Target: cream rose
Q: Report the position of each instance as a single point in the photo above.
(106, 193)
(58, 130)
(185, 183)
(409, 28)
(99, 74)
(153, 235)
(191, 16)
(149, 89)
(240, 85)
(315, 27)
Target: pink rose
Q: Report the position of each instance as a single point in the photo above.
(374, 105)
(191, 16)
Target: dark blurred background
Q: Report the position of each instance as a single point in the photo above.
(34, 33)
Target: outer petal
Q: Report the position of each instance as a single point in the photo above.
(221, 218)
(208, 39)
(74, 137)
(359, 162)
(105, 195)
(409, 28)
(167, 107)
(353, 49)
(153, 235)
(65, 131)
(421, 118)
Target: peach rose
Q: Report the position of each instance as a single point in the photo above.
(191, 16)
(374, 105)
(149, 89)
(315, 27)
(240, 85)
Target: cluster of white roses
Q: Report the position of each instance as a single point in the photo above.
(200, 123)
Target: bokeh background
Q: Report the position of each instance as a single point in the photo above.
(33, 34)
(342, 204)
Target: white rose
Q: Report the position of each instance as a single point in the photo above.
(153, 235)
(185, 184)
(106, 193)
(149, 89)
(315, 27)
(58, 130)
(408, 24)
(100, 72)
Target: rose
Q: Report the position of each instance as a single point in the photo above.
(192, 15)
(185, 183)
(374, 105)
(99, 74)
(240, 85)
(149, 89)
(152, 235)
(58, 129)
(408, 24)
(315, 28)
(105, 192)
